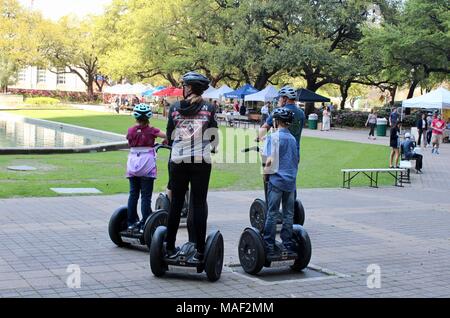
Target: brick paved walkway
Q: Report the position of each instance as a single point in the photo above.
(405, 231)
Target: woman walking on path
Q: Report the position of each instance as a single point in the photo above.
(326, 121)
(372, 122)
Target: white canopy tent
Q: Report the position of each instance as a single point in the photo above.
(138, 89)
(209, 90)
(127, 89)
(266, 95)
(218, 93)
(439, 98)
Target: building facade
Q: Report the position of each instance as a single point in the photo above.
(43, 79)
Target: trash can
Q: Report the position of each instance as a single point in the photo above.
(381, 127)
(312, 121)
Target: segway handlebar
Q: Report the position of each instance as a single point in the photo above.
(159, 146)
(255, 148)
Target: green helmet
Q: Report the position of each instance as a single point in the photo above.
(142, 111)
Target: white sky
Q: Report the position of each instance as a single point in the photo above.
(55, 9)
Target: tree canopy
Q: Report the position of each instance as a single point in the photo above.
(383, 43)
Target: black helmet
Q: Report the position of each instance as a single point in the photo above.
(199, 82)
(284, 115)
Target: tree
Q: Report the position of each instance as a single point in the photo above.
(324, 49)
(415, 45)
(8, 72)
(69, 46)
(18, 43)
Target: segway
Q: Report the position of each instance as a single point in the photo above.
(252, 252)
(118, 224)
(258, 209)
(253, 256)
(212, 263)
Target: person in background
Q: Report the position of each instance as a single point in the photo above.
(117, 104)
(395, 146)
(429, 130)
(217, 107)
(135, 101)
(393, 118)
(326, 119)
(243, 110)
(265, 111)
(372, 122)
(236, 106)
(422, 128)
(408, 152)
(438, 126)
(287, 96)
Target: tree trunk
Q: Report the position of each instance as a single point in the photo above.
(311, 85)
(393, 92)
(262, 79)
(344, 87)
(90, 87)
(171, 79)
(412, 88)
(100, 87)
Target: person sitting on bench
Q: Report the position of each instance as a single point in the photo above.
(408, 153)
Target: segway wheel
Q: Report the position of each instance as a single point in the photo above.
(158, 218)
(251, 251)
(304, 249)
(162, 202)
(157, 263)
(214, 258)
(258, 215)
(117, 224)
(299, 213)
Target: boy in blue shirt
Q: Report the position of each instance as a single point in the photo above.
(281, 167)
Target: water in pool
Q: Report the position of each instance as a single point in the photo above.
(23, 135)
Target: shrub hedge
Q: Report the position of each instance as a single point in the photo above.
(75, 97)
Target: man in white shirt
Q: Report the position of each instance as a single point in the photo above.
(265, 111)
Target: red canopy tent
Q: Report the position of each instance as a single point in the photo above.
(170, 92)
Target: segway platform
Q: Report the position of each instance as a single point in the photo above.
(120, 236)
(253, 256)
(212, 263)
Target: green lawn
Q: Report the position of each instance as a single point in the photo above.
(320, 164)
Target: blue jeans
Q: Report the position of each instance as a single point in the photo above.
(275, 197)
(144, 187)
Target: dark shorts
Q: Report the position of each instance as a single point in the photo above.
(395, 145)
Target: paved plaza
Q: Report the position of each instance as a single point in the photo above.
(403, 232)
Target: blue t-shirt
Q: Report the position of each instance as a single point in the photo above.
(408, 149)
(282, 147)
(296, 127)
(393, 119)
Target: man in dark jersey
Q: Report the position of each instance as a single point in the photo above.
(193, 134)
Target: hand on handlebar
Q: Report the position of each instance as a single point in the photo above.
(260, 139)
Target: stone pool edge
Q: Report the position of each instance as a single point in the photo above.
(103, 147)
